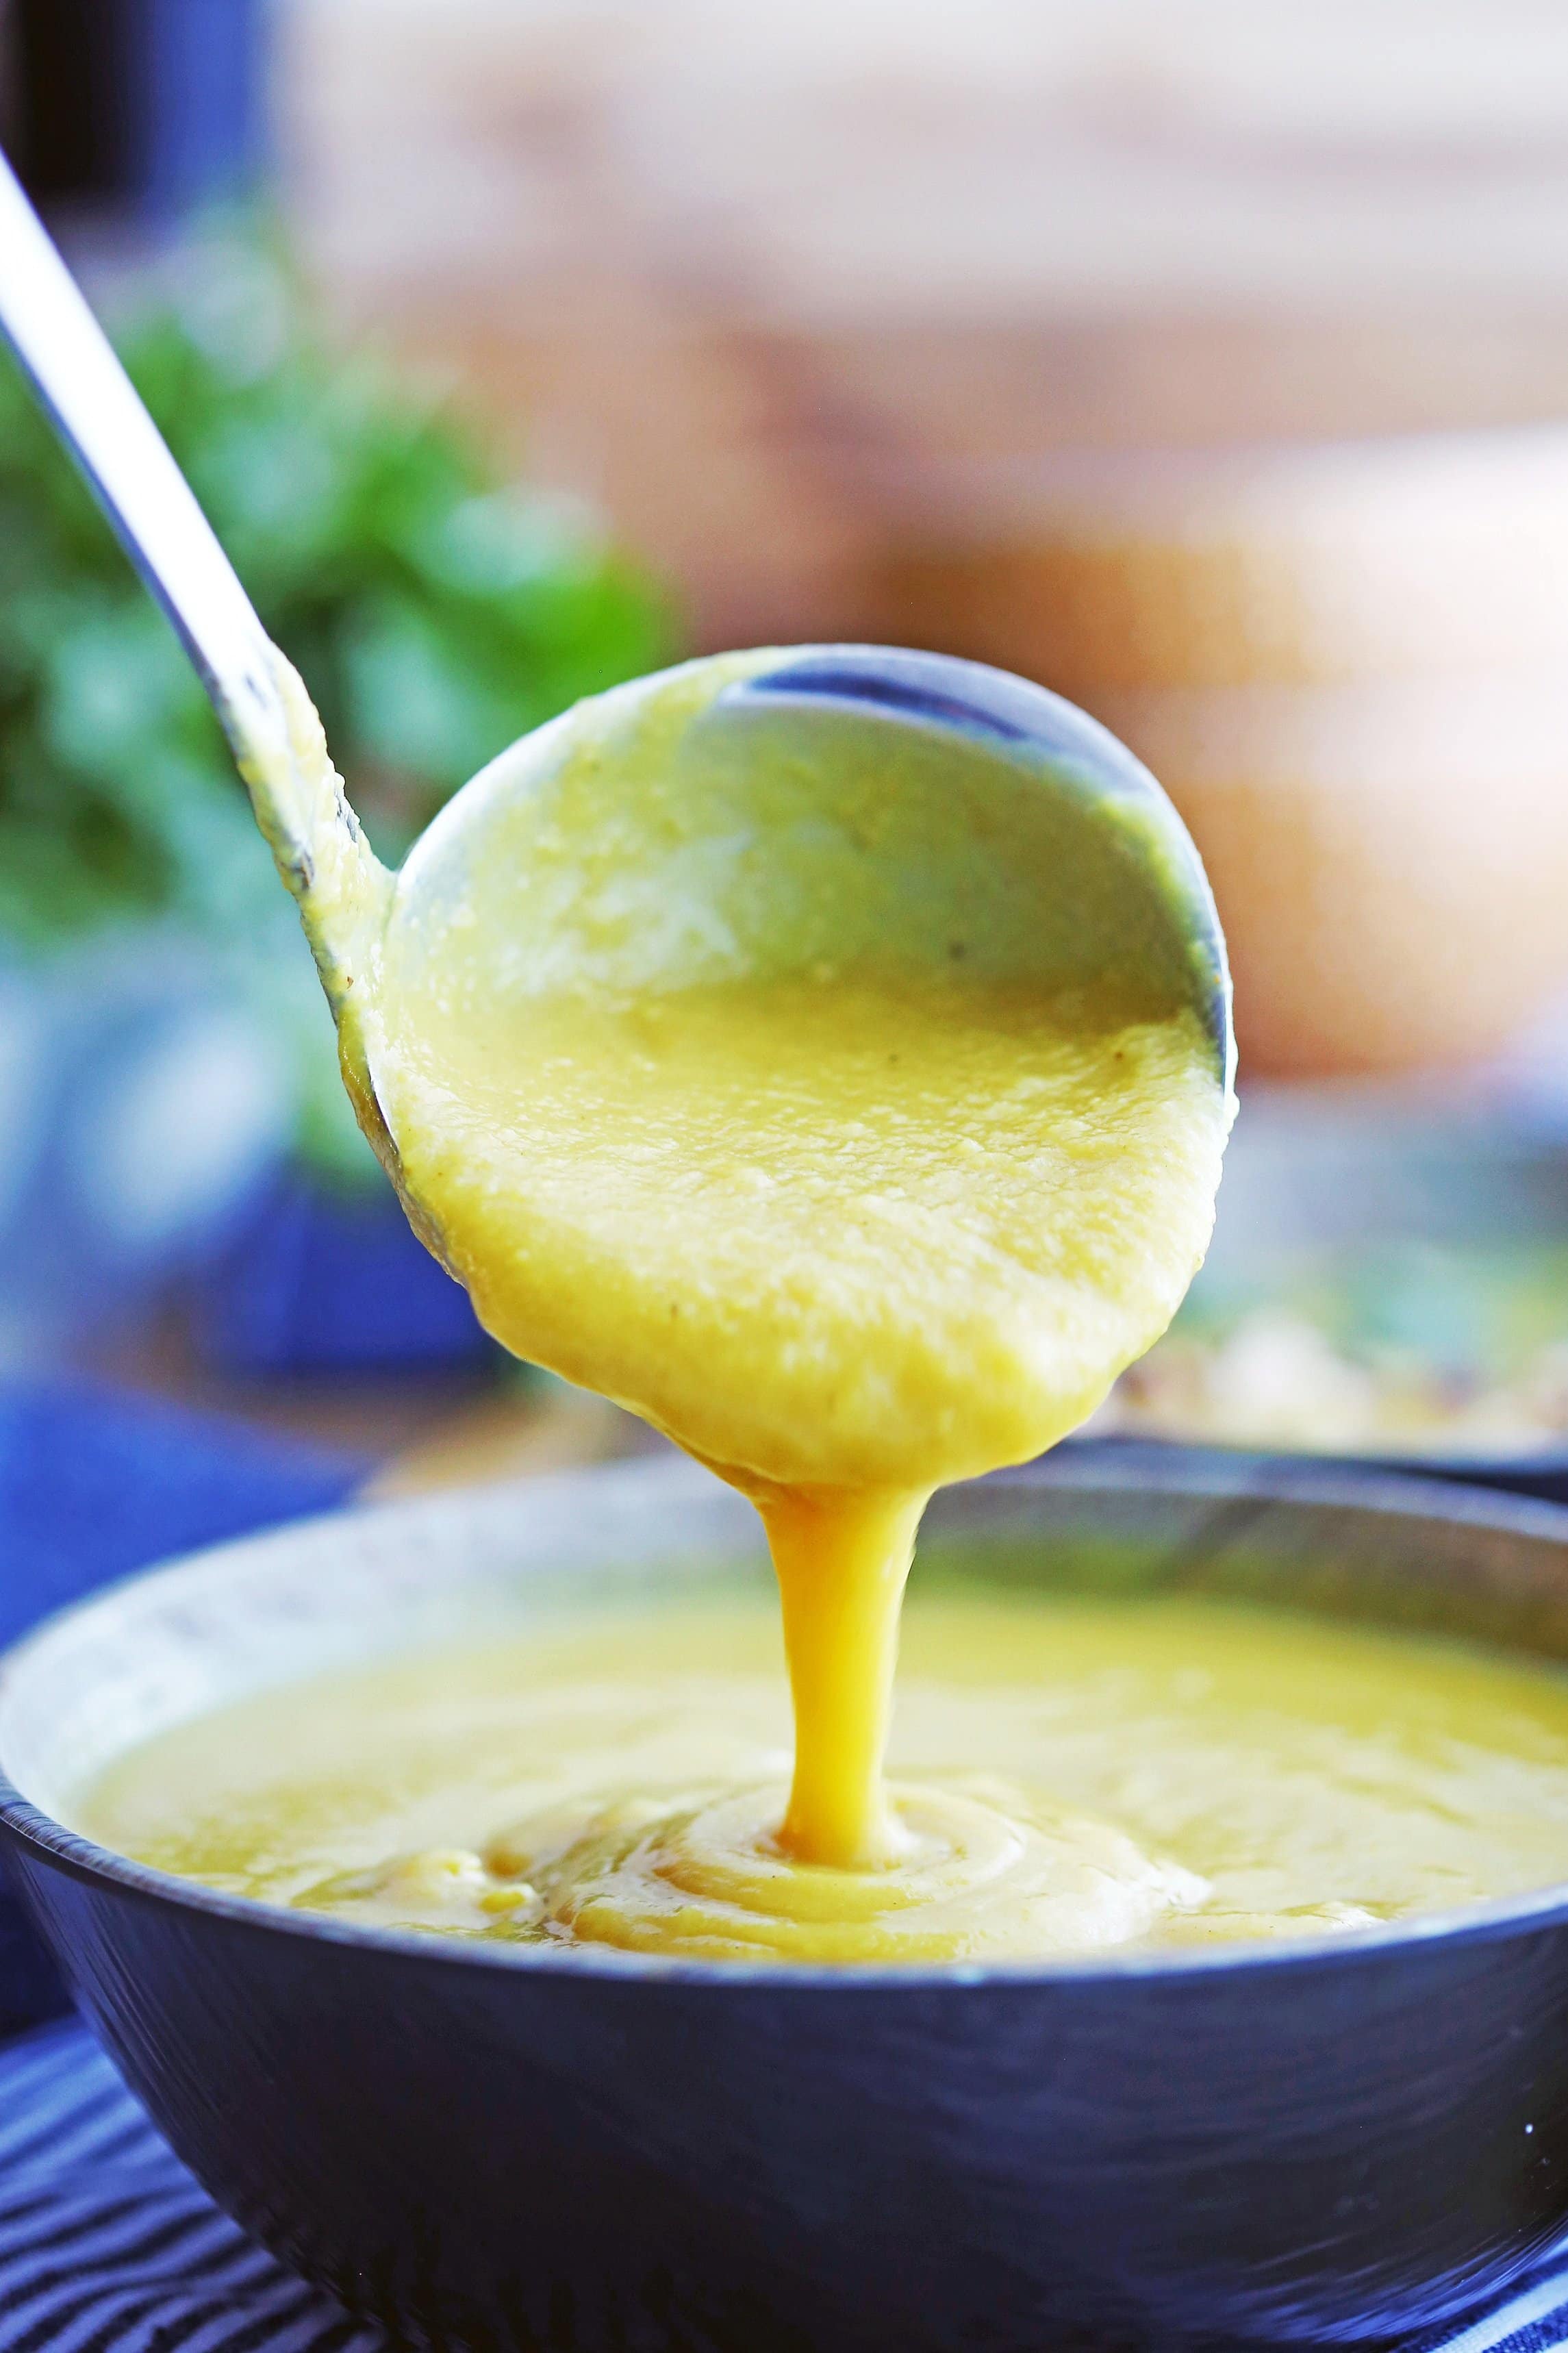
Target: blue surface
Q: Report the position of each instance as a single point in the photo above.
(93, 1485)
(197, 97)
(317, 1282)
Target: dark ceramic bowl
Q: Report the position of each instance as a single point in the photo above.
(1543, 1473)
(1320, 2144)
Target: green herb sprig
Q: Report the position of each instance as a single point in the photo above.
(434, 612)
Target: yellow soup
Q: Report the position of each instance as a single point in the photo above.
(1070, 1773)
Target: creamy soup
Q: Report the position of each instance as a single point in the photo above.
(1065, 1775)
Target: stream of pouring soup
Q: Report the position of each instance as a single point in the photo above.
(854, 1124)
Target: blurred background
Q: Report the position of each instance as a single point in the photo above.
(1206, 361)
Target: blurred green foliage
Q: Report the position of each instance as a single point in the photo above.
(435, 615)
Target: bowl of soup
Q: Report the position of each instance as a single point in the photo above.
(334, 1832)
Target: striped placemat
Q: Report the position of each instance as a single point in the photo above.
(108, 2245)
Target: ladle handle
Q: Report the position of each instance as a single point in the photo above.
(100, 415)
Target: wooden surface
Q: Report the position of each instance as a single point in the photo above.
(809, 297)
(734, 271)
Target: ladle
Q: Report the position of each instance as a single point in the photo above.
(805, 805)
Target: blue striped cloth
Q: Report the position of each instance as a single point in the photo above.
(107, 2244)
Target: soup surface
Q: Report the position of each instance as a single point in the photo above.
(1065, 1775)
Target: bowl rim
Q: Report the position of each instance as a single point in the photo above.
(1282, 1480)
(1496, 1472)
